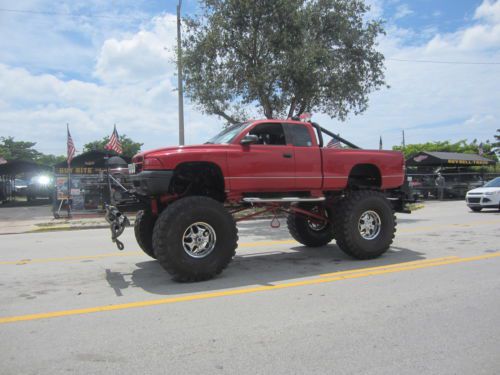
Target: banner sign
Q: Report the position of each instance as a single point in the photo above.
(80, 170)
(468, 162)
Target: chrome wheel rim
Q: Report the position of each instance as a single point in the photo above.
(199, 240)
(369, 225)
(315, 225)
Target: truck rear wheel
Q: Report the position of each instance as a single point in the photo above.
(365, 224)
(310, 232)
(195, 238)
(143, 229)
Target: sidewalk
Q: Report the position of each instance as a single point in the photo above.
(31, 226)
(16, 220)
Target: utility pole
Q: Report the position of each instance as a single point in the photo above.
(179, 76)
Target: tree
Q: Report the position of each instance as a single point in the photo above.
(446, 146)
(18, 150)
(130, 148)
(285, 57)
(497, 138)
(50, 160)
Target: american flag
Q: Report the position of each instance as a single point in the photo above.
(114, 143)
(70, 147)
(334, 143)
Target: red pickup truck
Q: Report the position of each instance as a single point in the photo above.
(192, 193)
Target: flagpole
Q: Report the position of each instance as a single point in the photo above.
(69, 181)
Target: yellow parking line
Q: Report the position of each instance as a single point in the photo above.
(397, 265)
(130, 253)
(241, 245)
(354, 274)
(63, 259)
(455, 225)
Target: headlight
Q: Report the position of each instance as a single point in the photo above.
(43, 180)
(490, 192)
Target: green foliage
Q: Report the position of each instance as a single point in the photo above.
(50, 160)
(130, 148)
(18, 150)
(497, 138)
(11, 149)
(446, 146)
(284, 56)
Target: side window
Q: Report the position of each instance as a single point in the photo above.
(300, 135)
(269, 134)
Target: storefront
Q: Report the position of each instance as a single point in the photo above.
(89, 186)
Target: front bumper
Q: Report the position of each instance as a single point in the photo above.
(149, 183)
(483, 201)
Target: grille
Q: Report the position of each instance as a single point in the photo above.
(473, 200)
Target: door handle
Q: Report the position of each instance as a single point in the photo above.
(288, 156)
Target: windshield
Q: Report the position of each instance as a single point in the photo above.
(493, 183)
(228, 134)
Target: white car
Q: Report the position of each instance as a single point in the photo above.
(487, 196)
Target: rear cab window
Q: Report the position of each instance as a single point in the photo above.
(300, 135)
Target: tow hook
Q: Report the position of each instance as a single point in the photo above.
(117, 222)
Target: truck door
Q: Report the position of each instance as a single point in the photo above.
(307, 155)
(264, 166)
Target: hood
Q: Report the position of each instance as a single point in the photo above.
(483, 190)
(181, 149)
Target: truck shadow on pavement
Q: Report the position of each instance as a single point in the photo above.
(255, 268)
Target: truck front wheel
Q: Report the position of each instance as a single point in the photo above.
(308, 231)
(143, 229)
(365, 224)
(195, 238)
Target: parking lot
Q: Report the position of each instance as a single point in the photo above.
(71, 302)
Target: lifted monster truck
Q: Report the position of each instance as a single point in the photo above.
(190, 195)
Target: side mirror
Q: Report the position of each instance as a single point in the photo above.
(249, 139)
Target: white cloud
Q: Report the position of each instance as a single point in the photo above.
(434, 101)
(402, 11)
(144, 56)
(489, 11)
(135, 87)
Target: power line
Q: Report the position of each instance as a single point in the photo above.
(68, 14)
(445, 62)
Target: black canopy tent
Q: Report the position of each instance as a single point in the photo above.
(447, 159)
(89, 188)
(456, 168)
(19, 167)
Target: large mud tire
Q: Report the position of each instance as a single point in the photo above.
(143, 229)
(351, 234)
(308, 233)
(173, 243)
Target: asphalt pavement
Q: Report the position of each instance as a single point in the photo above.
(71, 303)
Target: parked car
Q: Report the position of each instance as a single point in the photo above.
(19, 187)
(40, 186)
(487, 196)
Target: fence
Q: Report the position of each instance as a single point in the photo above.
(456, 185)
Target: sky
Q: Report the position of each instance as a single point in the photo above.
(96, 63)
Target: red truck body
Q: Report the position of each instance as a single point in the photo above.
(260, 168)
